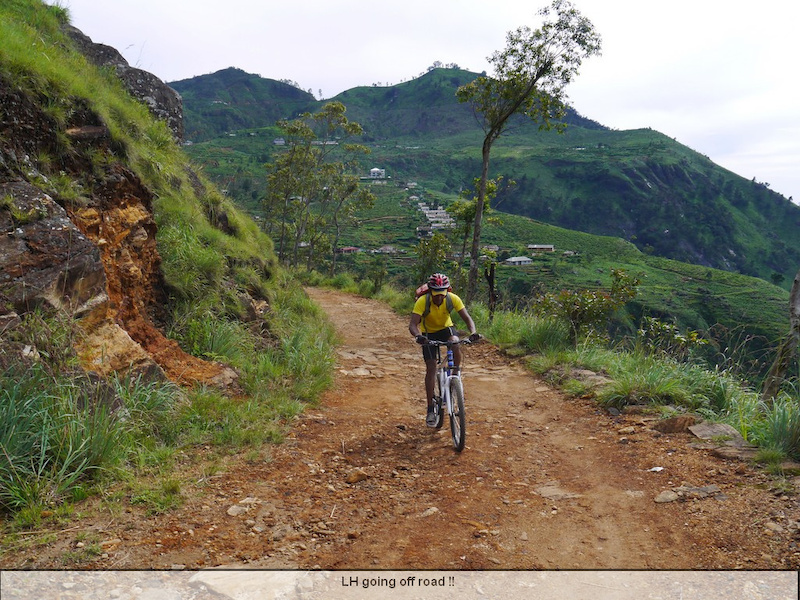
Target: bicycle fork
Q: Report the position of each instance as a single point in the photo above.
(444, 384)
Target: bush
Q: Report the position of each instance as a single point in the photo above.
(588, 310)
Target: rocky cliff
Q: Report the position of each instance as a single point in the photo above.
(94, 256)
(163, 101)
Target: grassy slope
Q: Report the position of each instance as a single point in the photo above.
(284, 360)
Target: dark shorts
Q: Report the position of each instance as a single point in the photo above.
(431, 352)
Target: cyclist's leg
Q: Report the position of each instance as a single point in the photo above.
(429, 356)
(430, 379)
(456, 350)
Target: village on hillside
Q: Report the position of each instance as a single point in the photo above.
(437, 219)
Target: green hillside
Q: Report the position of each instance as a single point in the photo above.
(729, 306)
(232, 99)
(639, 185)
(143, 312)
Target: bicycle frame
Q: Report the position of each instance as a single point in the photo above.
(444, 376)
(447, 382)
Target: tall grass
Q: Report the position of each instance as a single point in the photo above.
(57, 432)
(779, 429)
(51, 437)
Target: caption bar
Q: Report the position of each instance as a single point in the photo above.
(243, 584)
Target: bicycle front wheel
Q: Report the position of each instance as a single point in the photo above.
(458, 418)
(439, 404)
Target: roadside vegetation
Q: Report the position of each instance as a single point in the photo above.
(65, 435)
(658, 367)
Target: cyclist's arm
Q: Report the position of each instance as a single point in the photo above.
(413, 325)
(467, 320)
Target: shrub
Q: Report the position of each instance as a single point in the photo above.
(657, 337)
(588, 310)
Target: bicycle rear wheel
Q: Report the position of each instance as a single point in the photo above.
(458, 418)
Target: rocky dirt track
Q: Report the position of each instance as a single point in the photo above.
(545, 482)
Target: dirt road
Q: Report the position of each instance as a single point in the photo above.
(545, 482)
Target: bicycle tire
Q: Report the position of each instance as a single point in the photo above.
(458, 418)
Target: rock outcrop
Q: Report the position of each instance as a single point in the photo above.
(93, 258)
(164, 102)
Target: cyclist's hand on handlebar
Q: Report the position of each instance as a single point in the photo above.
(421, 339)
(475, 337)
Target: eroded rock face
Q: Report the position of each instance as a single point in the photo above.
(94, 258)
(164, 102)
(45, 258)
(119, 220)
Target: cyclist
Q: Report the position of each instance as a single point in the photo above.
(430, 319)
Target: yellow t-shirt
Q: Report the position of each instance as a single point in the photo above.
(438, 318)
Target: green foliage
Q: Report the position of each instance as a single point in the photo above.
(464, 210)
(52, 435)
(532, 333)
(657, 337)
(159, 499)
(588, 310)
(530, 76)
(670, 200)
(312, 194)
(58, 431)
(231, 99)
(779, 428)
(377, 273)
(651, 382)
(50, 336)
(431, 256)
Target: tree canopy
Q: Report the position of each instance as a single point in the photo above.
(312, 193)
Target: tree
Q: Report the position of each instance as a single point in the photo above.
(377, 272)
(464, 209)
(431, 256)
(345, 196)
(530, 76)
(311, 191)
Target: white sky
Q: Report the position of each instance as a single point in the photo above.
(720, 76)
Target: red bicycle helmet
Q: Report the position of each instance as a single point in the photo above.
(438, 281)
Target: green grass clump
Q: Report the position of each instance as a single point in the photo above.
(58, 433)
(779, 428)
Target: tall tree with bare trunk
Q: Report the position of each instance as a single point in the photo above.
(530, 77)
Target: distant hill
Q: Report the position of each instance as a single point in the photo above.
(639, 185)
(232, 99)
(422, 107)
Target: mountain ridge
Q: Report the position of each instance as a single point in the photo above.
(640, 185)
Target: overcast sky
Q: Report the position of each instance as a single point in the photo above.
(720, 76)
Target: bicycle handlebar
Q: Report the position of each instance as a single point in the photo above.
(438, 343)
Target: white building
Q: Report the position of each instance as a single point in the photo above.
(518, 261)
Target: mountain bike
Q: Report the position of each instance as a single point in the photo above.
(449, 394)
